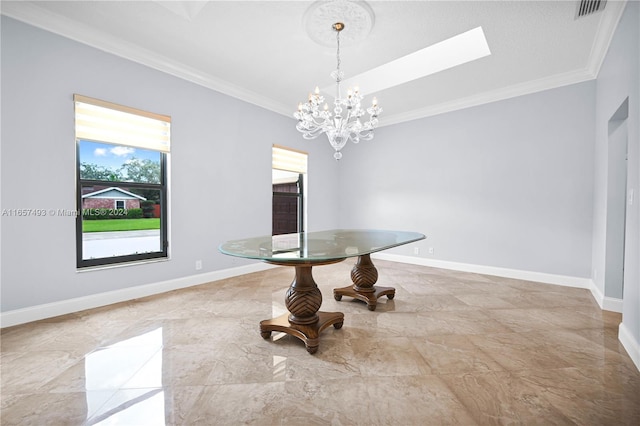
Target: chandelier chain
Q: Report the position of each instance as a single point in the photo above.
(338, 75)
(338, 55)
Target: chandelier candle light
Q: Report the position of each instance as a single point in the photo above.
(312, 121)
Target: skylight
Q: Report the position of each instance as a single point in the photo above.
(457, 50)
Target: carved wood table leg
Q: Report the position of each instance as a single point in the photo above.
(304, 319)
(364, 275)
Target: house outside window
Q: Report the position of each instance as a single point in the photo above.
(121, 171)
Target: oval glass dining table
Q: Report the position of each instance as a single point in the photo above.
(308, 249)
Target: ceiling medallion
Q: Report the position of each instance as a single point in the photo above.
(357, 16)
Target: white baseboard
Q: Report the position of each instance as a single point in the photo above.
(631, 345)
(63, 307)
(490, 270)
(605, 303)
(49, 310)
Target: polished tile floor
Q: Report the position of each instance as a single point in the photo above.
(451, 348)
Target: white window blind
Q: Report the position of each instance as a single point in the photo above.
(102, 121)
(289, 159)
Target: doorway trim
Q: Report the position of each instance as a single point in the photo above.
(616, 207)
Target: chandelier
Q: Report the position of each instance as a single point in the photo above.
(344, 124)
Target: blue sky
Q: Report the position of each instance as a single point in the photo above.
(113, 156)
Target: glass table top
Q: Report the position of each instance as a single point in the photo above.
(318, 246)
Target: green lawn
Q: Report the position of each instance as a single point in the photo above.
(105, 225)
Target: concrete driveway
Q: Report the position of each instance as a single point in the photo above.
(119, 243)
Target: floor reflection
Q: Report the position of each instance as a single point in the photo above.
(279, 367)
(124, 382)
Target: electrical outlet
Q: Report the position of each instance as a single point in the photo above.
(430, 250)
(416, 250)
(198, 265)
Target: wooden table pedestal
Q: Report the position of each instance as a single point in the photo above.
(303, 300)
(364, 275)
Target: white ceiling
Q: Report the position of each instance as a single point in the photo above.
(260, 51)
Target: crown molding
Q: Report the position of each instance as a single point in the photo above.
(513, 91)
(599, 50)
(605, 33)
(43, 19)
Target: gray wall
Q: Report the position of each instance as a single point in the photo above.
(618, 80)
(220, 166)
(508, 184)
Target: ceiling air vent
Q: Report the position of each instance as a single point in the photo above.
(588, 7)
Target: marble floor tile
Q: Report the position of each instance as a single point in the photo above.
(27, 372)
(415, 400)
(47, 409)
(318, 401)
(239, 404)
(486, 301)
(582, 396)
(576, 350)
(522, 320)
(455, 353)
(500, 397)
(516, 351)
(451, 348)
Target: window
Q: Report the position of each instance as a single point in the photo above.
(121, 169)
